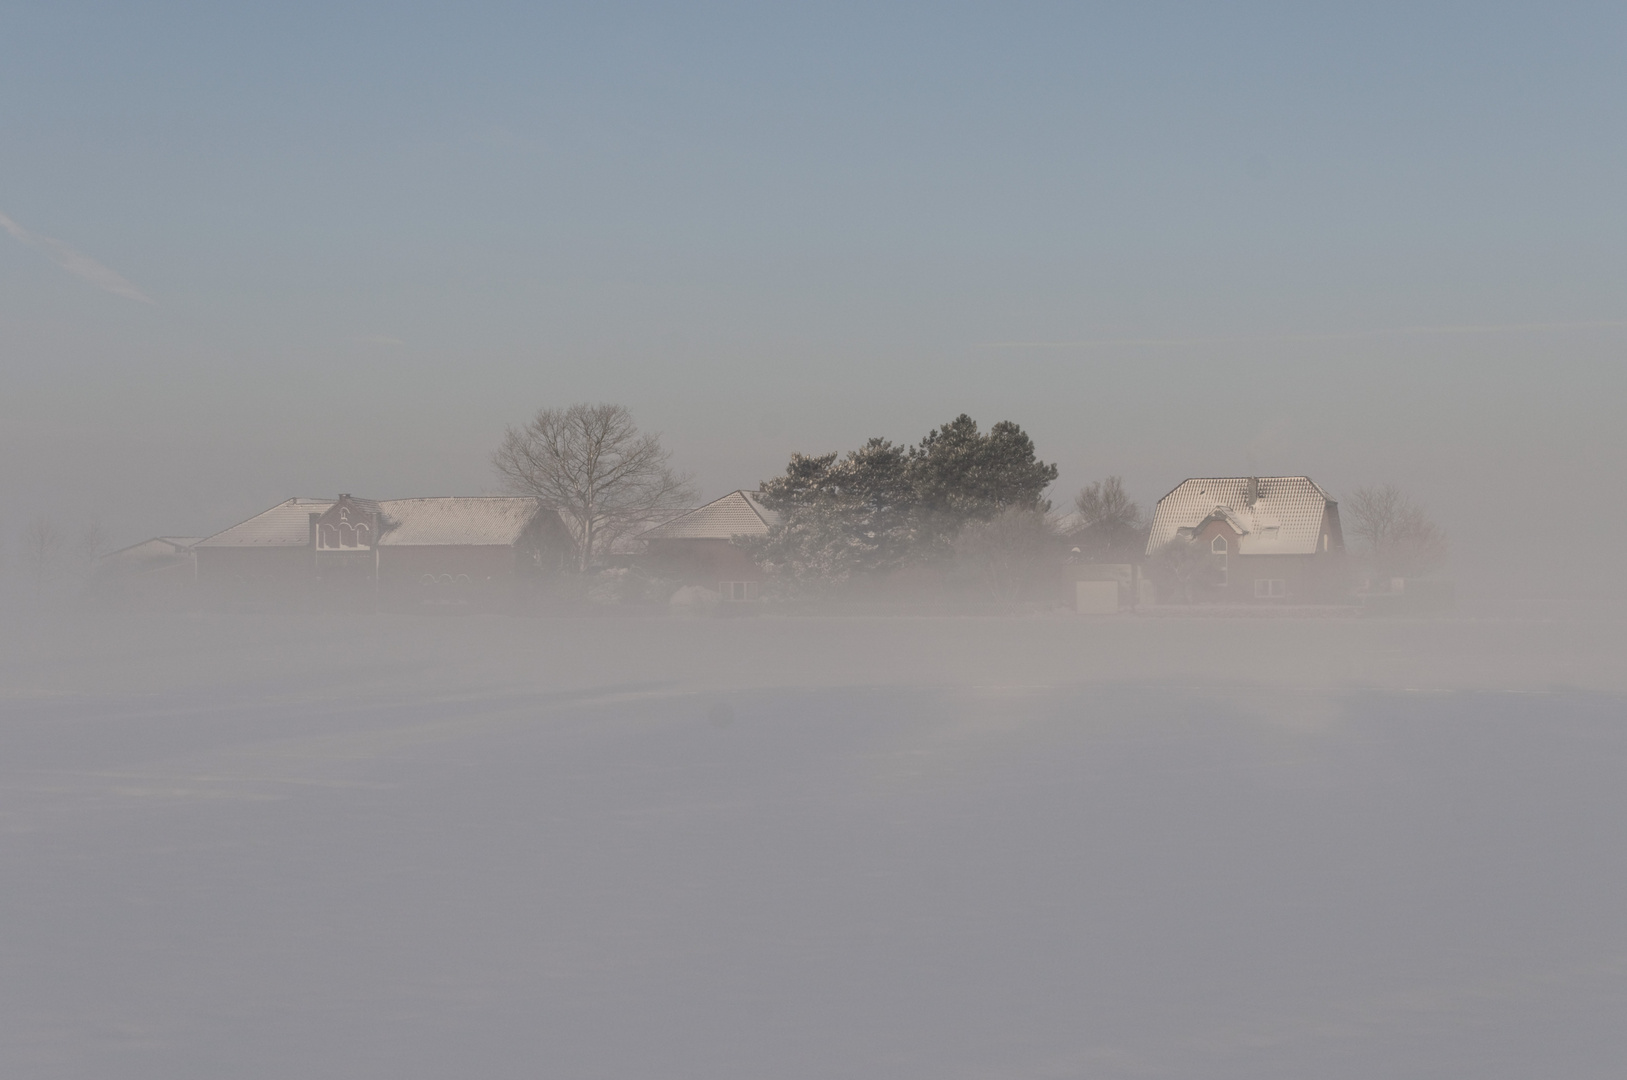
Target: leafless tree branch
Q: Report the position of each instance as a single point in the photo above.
(591, 464)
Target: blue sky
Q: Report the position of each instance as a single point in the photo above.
(1168, 239)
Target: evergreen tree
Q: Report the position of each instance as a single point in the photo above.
(839, 516)
(960, 475)
(883, 506)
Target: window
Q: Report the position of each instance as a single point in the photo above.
(343, 536)
(738, 591)
(1324, 541)
(1219, 546)
(1270, 587)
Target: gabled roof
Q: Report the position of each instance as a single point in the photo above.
(367, 506)
(162, 544)
(157, 549)
(626, 533)
(1284, 519)
(288, 524)
(739, 513)
(455, 520)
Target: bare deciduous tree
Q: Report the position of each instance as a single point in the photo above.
(1393, 533)
(1010, 552)
(591, 464)
(1182, 568)
(42, 550)
(93, 544)
(1110, 522)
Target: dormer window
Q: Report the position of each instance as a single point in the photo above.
(344, 535)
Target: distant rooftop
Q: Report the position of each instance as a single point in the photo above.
(739, 513)
(455, 519)
(288, 524)
(1285, 517)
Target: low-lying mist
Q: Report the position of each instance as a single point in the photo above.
(387, 844)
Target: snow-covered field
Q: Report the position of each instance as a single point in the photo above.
(812, 848)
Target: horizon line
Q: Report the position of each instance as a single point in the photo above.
(1347, 335)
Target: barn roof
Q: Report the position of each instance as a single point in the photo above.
(455, 520)
(163, 544)
(288, 524)
(627, 534)
(1284, 519)
(739, 513)
(155, 549)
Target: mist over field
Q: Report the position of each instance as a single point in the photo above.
(879, 540)
(802, 847)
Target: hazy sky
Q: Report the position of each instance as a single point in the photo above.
(257, 251)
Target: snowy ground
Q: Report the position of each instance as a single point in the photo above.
(933, 848)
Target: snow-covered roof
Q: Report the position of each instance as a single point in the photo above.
(476, 520)
(626, 533)
(739, 513)
(288, 524)
(1284, 519)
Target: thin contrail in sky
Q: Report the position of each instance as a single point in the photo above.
(1349, 335)
(75, 262)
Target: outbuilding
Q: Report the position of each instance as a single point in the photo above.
(698, 547)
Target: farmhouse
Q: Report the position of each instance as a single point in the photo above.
(1256, 538)
(161, 553)
(265, 556)
(159, 570)
(697, 548)
(466, 549)
(451, 549)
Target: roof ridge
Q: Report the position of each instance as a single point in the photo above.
(751, 504)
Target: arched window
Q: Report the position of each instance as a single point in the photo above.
(329, 536)
(363, 534)
(347, 535)
(1218, 545)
